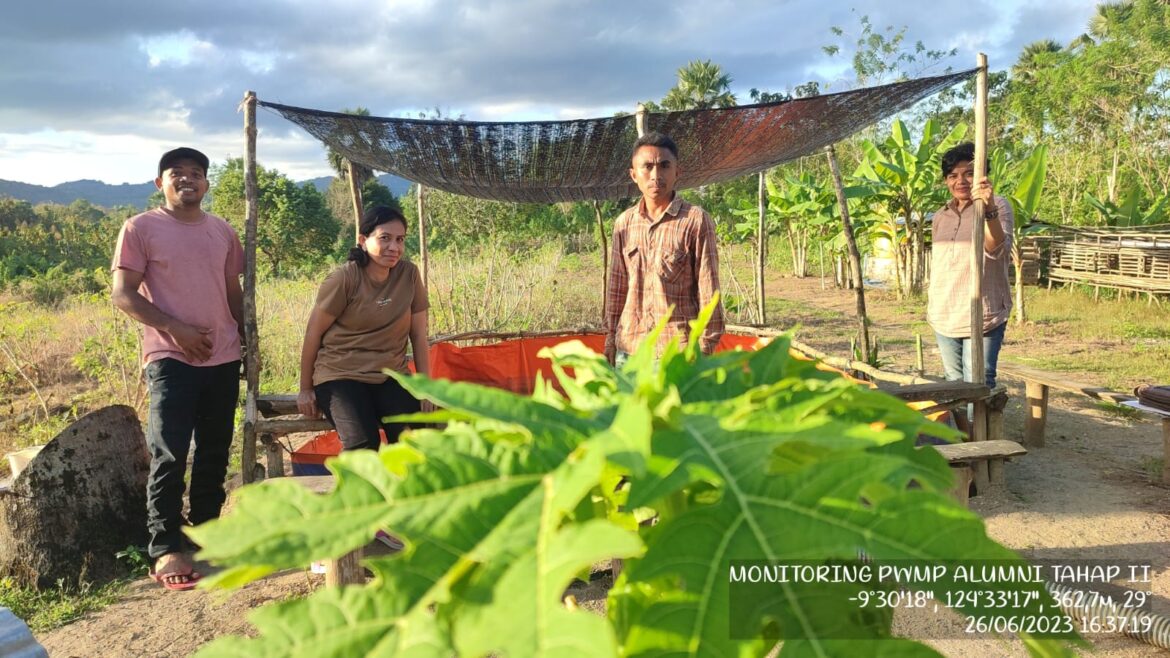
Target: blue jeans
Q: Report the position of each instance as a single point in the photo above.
(956, 354)
(187, 402)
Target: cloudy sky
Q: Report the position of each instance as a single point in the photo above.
(99, 89)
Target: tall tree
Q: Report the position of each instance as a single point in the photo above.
(295, 226)
(701, 85)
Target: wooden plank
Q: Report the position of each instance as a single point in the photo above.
(1061, 381)
(939, 391)
(277, 405)
(282, 427)
(980, 450)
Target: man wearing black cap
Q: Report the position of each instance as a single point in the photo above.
(176, 270)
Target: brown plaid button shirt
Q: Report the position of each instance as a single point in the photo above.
(948, 302)
(655, 264)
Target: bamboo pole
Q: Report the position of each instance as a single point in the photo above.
(854, 254)
(977, 369)
(604, 254)
(761, 246)
(422, 237)
(355, 195)
(836, 362)
(251, 338)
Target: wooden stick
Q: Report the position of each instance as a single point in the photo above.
(761, 246)
(640, 119)
(604, 254)
(980, 164)
(836, 362)
(508, 335)
(919, 364)
(355, 195)
(251, 338)
(854, 254)
(422, 237)
(1165, 450)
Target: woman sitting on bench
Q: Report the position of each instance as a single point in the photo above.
(364, 314)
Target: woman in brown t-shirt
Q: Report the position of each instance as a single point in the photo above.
(365, 312)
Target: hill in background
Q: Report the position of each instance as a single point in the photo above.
(128, 194)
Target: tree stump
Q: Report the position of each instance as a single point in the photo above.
(80, 501)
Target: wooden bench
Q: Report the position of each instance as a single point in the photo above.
(279, 417)
(964, 458)
(987, 424)
(1036, 385)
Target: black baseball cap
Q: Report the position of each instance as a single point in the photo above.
(182, 153)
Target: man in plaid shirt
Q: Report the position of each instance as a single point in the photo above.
(664, 262)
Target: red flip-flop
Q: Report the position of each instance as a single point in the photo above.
(191, 575)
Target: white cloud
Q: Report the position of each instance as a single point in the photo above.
(126, 73)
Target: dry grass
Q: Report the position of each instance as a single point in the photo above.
(61, 362)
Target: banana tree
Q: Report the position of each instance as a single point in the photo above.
(786, 209)
(906, 184)
(1021, 182)
(1129, 212)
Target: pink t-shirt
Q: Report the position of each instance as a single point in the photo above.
(185, 269)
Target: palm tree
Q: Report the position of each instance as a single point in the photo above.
(701, 85)
(1032, 59)
(1109, 15)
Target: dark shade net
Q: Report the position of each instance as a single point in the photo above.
(552, 161)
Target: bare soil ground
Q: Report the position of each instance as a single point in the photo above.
(1090, 493)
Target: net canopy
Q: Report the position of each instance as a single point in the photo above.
(553, 161)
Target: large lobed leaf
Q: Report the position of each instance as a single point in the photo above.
(739, 456)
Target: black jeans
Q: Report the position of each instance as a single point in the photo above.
(356, 410)
(187, 402)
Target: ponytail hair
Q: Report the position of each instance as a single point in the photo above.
(371, 220)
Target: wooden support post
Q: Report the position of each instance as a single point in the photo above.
(604, 256)
(422, 236)
(919, 363)
(980, 470)
(995, 474)
(345, 570)
(978, 371)
(640, 119)
(761, 247)
(995, 430)
(355, 195)
(962, 488)
(274, 456)
(854, 254)
(251, 338)
(1036, 414)
(1165, 450)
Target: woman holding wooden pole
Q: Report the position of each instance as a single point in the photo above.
(952, 273)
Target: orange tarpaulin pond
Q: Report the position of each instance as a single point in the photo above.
(511, 365)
